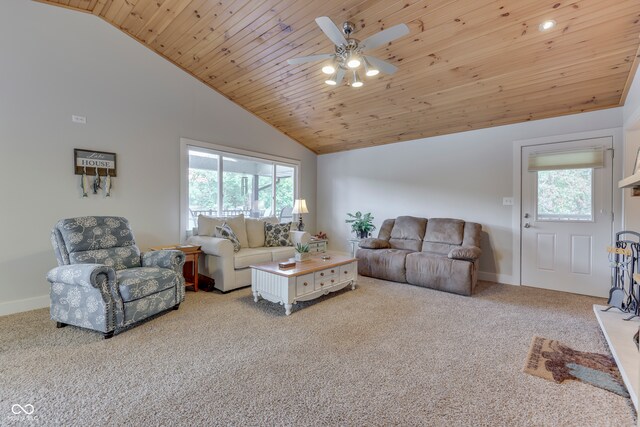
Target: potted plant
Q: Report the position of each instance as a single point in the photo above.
(361, 224)
(302, 252)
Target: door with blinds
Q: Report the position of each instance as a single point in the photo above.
(567, 217)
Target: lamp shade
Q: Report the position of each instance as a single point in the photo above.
(300, 207)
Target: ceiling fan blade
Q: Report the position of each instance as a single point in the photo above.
(381, 65)
(384, 37)
(339, 76)
(330, 30)
(310, 58)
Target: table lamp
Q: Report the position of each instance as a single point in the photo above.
(300, 207)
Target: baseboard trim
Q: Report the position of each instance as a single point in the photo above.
(498, 278)
(27, 304)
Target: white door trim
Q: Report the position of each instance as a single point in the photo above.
(516, 213)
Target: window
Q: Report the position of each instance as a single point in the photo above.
(565, 195)
(222, 183)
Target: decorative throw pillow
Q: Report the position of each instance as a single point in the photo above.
(276, 234)
(226, 232)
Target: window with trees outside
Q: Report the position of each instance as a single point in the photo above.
(565, 195)
(226, 184)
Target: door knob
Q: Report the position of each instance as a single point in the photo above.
(527, 225)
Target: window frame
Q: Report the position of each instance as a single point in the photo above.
(230, 152)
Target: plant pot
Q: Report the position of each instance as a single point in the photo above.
(363, 234)
(301, 256)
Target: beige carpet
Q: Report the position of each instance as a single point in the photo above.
(384, 354)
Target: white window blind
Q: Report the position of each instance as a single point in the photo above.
(578, 159)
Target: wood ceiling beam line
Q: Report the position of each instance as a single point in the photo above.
(159, 21)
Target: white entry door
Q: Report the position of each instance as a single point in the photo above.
(567, 219)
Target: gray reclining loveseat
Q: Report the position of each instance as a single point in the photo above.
(437, 253)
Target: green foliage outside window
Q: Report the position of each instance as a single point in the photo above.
(566, 193)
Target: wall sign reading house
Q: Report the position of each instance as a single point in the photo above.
(86, 161)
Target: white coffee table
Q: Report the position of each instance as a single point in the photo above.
(309, 279)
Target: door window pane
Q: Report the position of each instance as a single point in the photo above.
(203, 185)
(284, 192)
(565, 195)
(246, 186)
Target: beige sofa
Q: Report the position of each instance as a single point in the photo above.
(437, 253)
(228, 269)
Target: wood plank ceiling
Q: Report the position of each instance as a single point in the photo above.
(465, 65)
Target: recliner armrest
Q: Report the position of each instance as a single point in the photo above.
(168, 258)
(372, 243)
(468, 253)
(88, 275)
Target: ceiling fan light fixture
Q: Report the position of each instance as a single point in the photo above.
(356, 82)
(353, 60)
(328, 69)
(333, 80)
(369, 69)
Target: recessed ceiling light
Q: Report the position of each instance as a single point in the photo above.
(547, 25)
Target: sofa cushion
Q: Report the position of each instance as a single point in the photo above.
(207, 225)
(445, 230)
(276, 234)
(436, 271)
(385, 229)
(248, 256)
(407, 233)
(282, 253)
(374, 243)
(226, 232)
(239, 229)
(139, 282)
(255, 232)
(386, 264)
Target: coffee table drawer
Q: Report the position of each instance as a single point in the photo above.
(304, 284)
(325, 274)
(348, 271)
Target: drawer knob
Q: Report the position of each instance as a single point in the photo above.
(321, 284)
(321, 274)
(332, 280)
(345, 272)
(333, 271)
(305, 284)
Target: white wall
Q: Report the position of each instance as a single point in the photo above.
(464, 175)
(56, 63)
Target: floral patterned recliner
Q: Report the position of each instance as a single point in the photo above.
(103, 282)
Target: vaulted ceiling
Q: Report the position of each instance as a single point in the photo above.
(465, 65)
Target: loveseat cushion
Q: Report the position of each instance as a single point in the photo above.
(407, 233)
(445, 230)
(248, 256)
(207, 225)
(136, 283)
(226, 232)
(282, 253)
(437, 271)
(372, 243)
(386, 264)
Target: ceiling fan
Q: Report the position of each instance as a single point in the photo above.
(349, 52)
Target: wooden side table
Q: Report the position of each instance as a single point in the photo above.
(190, 272)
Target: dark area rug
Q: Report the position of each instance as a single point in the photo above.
(555, 361)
